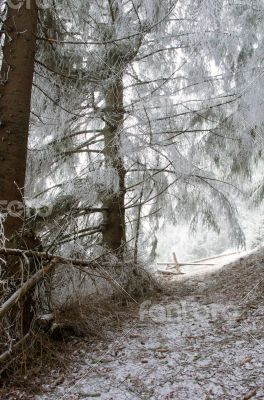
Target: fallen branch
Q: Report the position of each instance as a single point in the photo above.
(161, 271)
(27, 286)
(6, 355)
(50, 256)
(30, 283)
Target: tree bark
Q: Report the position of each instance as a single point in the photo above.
(16, 80)
(114, 234)
(15, 100)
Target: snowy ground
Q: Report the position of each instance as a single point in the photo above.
(199, 342)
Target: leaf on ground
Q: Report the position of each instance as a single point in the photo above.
(87, 395)
(246, 360)
(250, 394)
(160, 350)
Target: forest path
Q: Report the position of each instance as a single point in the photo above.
(197, 342)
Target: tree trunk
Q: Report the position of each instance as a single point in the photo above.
(17, 72)
(15, 98)
(114, 235)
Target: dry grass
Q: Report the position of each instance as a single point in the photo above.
(240, 281)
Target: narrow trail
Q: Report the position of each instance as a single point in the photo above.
(203, 340)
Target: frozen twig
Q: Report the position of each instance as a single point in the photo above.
(2, 234)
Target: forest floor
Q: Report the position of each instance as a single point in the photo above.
(201, 340)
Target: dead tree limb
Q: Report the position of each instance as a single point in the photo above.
(30, 283)
(4, 357)
(27, 286)
(50, 256)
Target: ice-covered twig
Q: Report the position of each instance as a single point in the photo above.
(2, 234)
